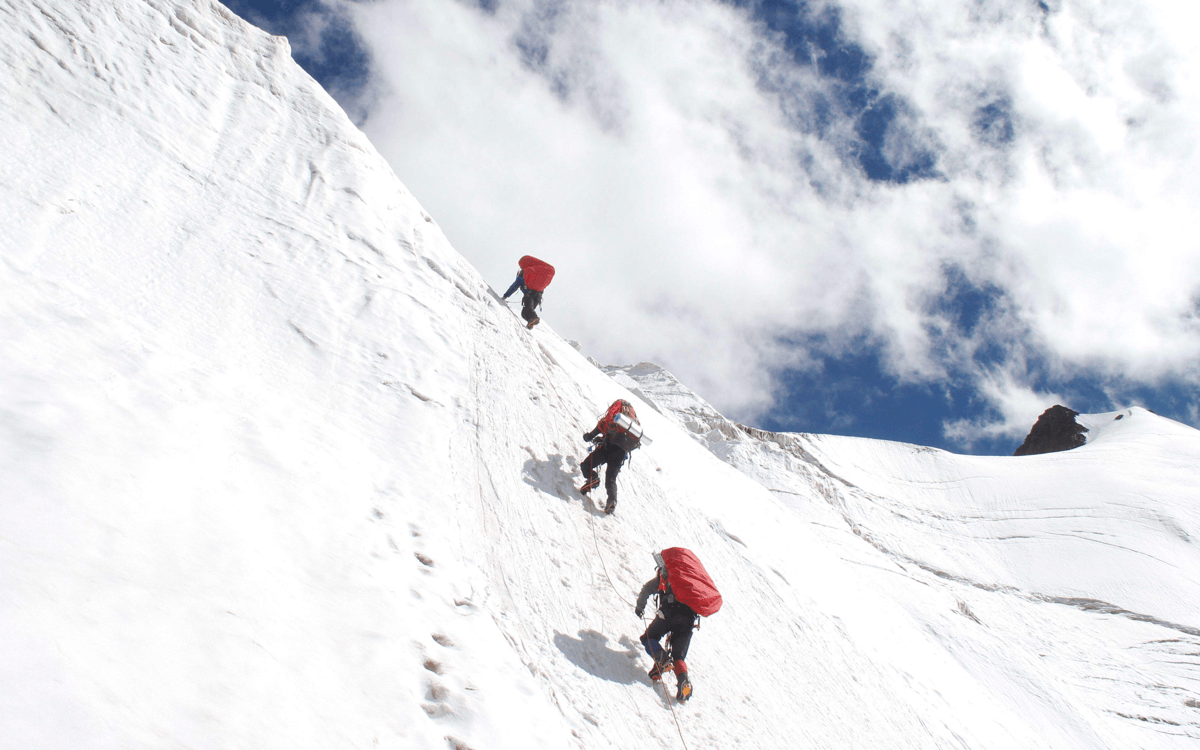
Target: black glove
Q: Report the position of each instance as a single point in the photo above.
(639, 611)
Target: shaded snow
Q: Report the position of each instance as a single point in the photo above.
(280, 470)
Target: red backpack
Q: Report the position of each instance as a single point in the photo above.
(689, 581)
(620, 425)
(536, 273)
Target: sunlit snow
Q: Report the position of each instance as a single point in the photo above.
(281, 470)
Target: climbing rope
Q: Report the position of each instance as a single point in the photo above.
(663, 683)
(596, 538)
(671, 706)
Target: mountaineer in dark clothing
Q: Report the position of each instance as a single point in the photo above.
(530, 299)
(532, 280)
(617, 433)
(673, 617)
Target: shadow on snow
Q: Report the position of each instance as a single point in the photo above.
(556, 475)
(590, 652)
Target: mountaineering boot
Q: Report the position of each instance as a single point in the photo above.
(661, 664)
(685, 688)
(590, 485)
(609, 507)
(534, 322)
(685, 685)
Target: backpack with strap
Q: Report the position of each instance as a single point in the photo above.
(689, 582)
(621, 426)
(537, 273)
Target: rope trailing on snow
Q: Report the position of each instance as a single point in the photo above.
(663, 683)
(596, 539)
(671, 706)
(667, 695)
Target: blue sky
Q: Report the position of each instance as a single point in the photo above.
(912, 286)
(324, 43)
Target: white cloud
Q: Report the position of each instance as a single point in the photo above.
(671, 161)
(1016, 408)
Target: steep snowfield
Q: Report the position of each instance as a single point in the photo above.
(1076, 575)
(280, 470)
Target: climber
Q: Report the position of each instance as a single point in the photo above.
(533, 278)
(615, 435)
(685, 593)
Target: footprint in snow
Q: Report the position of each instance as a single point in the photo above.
(438, 693)
(437, 700)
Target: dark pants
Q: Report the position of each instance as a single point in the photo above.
(679, 625)
(610, 454)
(529, 300)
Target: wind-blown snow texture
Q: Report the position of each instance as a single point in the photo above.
(280, 470)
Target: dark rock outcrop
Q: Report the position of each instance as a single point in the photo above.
(1056, 430)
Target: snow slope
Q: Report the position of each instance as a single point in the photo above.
(280, 470)
(1075, 574)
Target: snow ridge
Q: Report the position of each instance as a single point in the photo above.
(1113, 521)
(281, 470)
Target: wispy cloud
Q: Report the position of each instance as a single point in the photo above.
(997, 192)
(1011, 403)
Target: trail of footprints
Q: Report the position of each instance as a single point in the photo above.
(437, 695)
(435, 656)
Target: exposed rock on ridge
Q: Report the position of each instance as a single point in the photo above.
(1056, 430)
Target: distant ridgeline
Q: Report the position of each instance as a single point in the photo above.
(1056, 430)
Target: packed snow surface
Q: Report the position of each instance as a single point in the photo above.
(281, 470)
